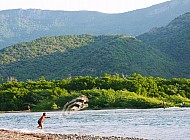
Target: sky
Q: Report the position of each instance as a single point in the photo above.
(104, 6)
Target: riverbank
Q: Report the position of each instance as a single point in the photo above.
(13, 135)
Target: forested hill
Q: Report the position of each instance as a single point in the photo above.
(24, 25)
(162, 52)
(60, 56)
(174, 41)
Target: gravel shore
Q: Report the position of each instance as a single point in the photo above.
(13, 135)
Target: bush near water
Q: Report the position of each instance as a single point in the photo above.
(107, 91)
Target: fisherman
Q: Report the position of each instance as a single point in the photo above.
(41, 120)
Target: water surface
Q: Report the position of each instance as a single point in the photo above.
(164, 124)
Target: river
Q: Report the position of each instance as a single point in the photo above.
(164, 124)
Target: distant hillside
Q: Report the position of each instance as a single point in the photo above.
(61, 56)
(24, 25)
(174, 41)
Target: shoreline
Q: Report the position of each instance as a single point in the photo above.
(14, 135)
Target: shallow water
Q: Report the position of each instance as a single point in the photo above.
(164, 124)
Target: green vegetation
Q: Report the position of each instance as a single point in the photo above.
(173, 40)
(60, 56)
(21, 25)
(108, 91)
(162, 52)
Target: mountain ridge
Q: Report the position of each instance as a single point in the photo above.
(95, 56)
(25, 25)
(173, 40)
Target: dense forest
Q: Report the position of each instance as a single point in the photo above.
(81, 55)
(48, 72)
(162, 52)
(22, 25)
(108, 91)
(173, 40)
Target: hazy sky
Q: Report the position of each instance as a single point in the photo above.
(105, 6)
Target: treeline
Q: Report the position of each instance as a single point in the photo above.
(108, 91)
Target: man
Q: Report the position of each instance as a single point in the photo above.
(41, 120)
(28, 108)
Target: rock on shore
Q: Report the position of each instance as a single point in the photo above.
(13, 135)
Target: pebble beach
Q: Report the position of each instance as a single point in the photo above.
(14, 135)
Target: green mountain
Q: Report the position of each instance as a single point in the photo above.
(61, 56)
(174, 41)
(162, 52)
(26, 25)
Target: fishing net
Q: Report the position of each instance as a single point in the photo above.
(74, 105)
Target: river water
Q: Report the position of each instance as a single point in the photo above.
(163, 124)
